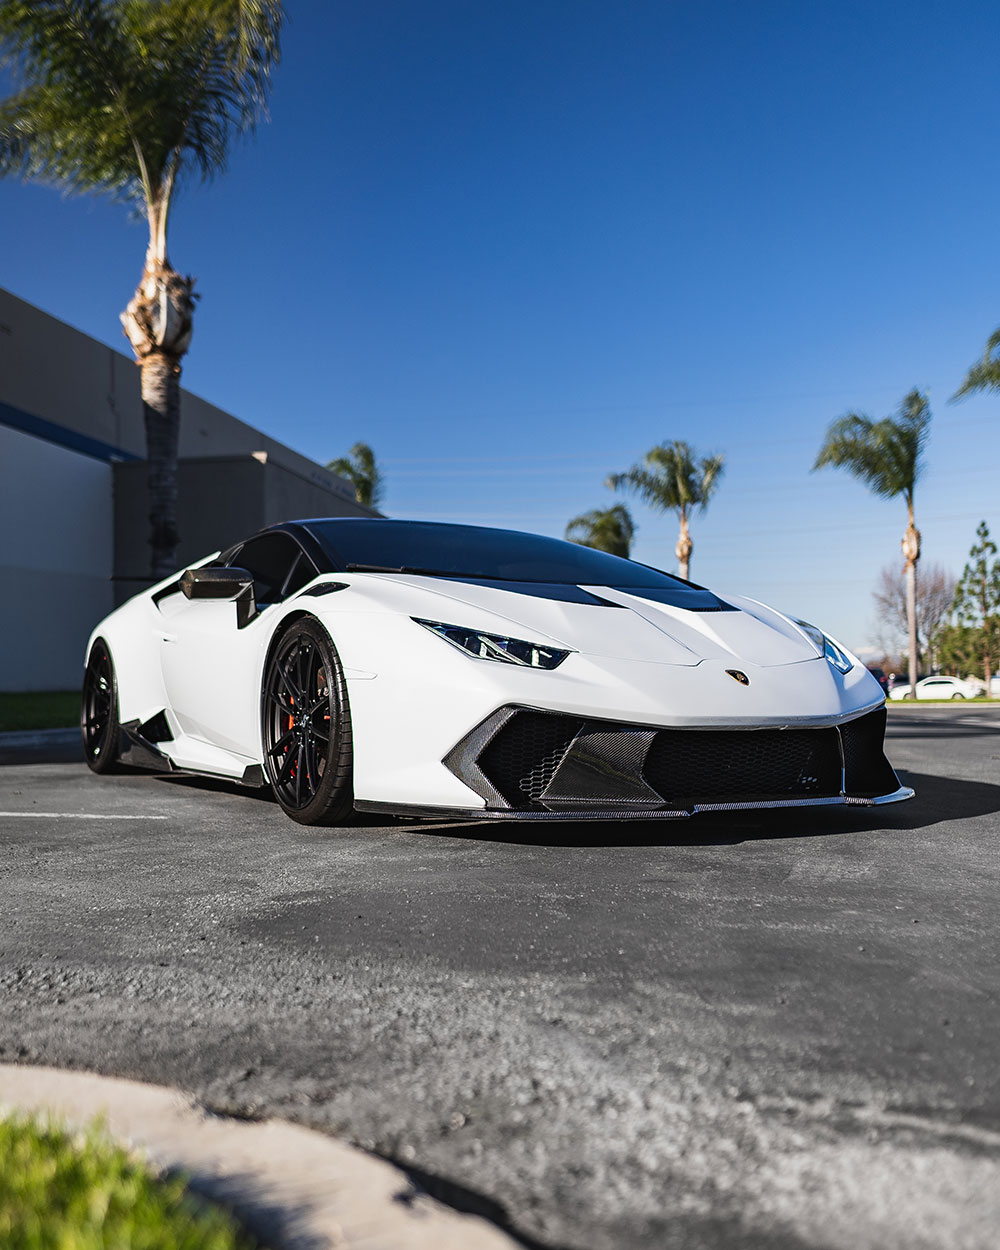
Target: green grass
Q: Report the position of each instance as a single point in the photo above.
(46, 709)
(60, 1191)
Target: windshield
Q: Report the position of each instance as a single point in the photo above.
(490, 555)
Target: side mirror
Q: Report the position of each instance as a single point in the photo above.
(212, 582)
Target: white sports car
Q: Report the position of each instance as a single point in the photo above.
(938, 688)
(450, 670)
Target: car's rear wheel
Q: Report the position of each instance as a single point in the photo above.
(99, 724)
(306, 722)
(957, 695)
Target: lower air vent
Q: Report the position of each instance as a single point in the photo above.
(717, 766)
(867, 772)
(522, 758)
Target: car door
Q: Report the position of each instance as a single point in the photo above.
(211, 666)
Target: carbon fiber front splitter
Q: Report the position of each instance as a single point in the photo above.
(624, 812)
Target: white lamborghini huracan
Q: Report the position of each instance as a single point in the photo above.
(450, 670)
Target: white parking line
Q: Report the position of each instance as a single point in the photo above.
(78, 816)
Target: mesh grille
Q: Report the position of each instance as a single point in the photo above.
(521, 760)
(683, 766)
(705, 766)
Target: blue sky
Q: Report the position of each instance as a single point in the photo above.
(515, 243)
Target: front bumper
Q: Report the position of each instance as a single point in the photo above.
(531, 764)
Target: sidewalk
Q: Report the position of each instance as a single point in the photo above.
(296, 1189)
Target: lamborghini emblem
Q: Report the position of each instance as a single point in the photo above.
(736, 675)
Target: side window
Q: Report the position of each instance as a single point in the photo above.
(270, 559)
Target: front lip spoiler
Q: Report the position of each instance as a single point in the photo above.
(625, 813)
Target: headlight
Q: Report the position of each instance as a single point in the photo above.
(839, 658)
(496, 646)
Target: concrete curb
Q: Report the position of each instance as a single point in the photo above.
(39, 737)
(296, 1189)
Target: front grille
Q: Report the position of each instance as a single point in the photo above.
(718, 766)
(546, 761)
(683, 767)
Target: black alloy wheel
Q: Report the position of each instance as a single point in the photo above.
(307, 726)
(99, 724)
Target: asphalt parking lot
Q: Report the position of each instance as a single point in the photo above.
(768, 1030)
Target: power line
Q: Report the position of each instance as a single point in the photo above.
(616, 454)
(703, 542)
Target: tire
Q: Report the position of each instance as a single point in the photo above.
(100, 727)
(307, 740)
(956, 695)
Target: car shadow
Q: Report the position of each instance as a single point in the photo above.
(937, 799)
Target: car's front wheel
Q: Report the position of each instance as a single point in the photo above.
(100, 728)
(306, 723)
(957, 695)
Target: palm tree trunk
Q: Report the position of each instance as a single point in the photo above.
(684, 549)
(158, 322)
(161, 411)
(911, 553)
(911, 621)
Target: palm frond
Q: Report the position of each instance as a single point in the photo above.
(672, 478)
(360, 468)
(886, 455)
(605, 529)
(711, 469)
(66, 123)
(984, 375)
(639, 481)
(122, 95)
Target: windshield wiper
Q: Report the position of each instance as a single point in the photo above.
(409, 568)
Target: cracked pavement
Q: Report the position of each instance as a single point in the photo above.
(740, 1031)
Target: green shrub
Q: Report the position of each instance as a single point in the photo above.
(64, 1191)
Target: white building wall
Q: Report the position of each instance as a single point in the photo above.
(60, 427)
(55, 560)
(94, 393)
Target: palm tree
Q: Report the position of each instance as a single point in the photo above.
(607, 529)
(985, 373)
(886, 456)
(672, 479)
(123, 97)
(359, 467)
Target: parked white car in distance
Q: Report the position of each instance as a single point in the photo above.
(938, 688)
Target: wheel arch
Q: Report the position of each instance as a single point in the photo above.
(279, 632)
(339, 800)
(100, 715)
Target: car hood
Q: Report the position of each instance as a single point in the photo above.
(610, 622)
